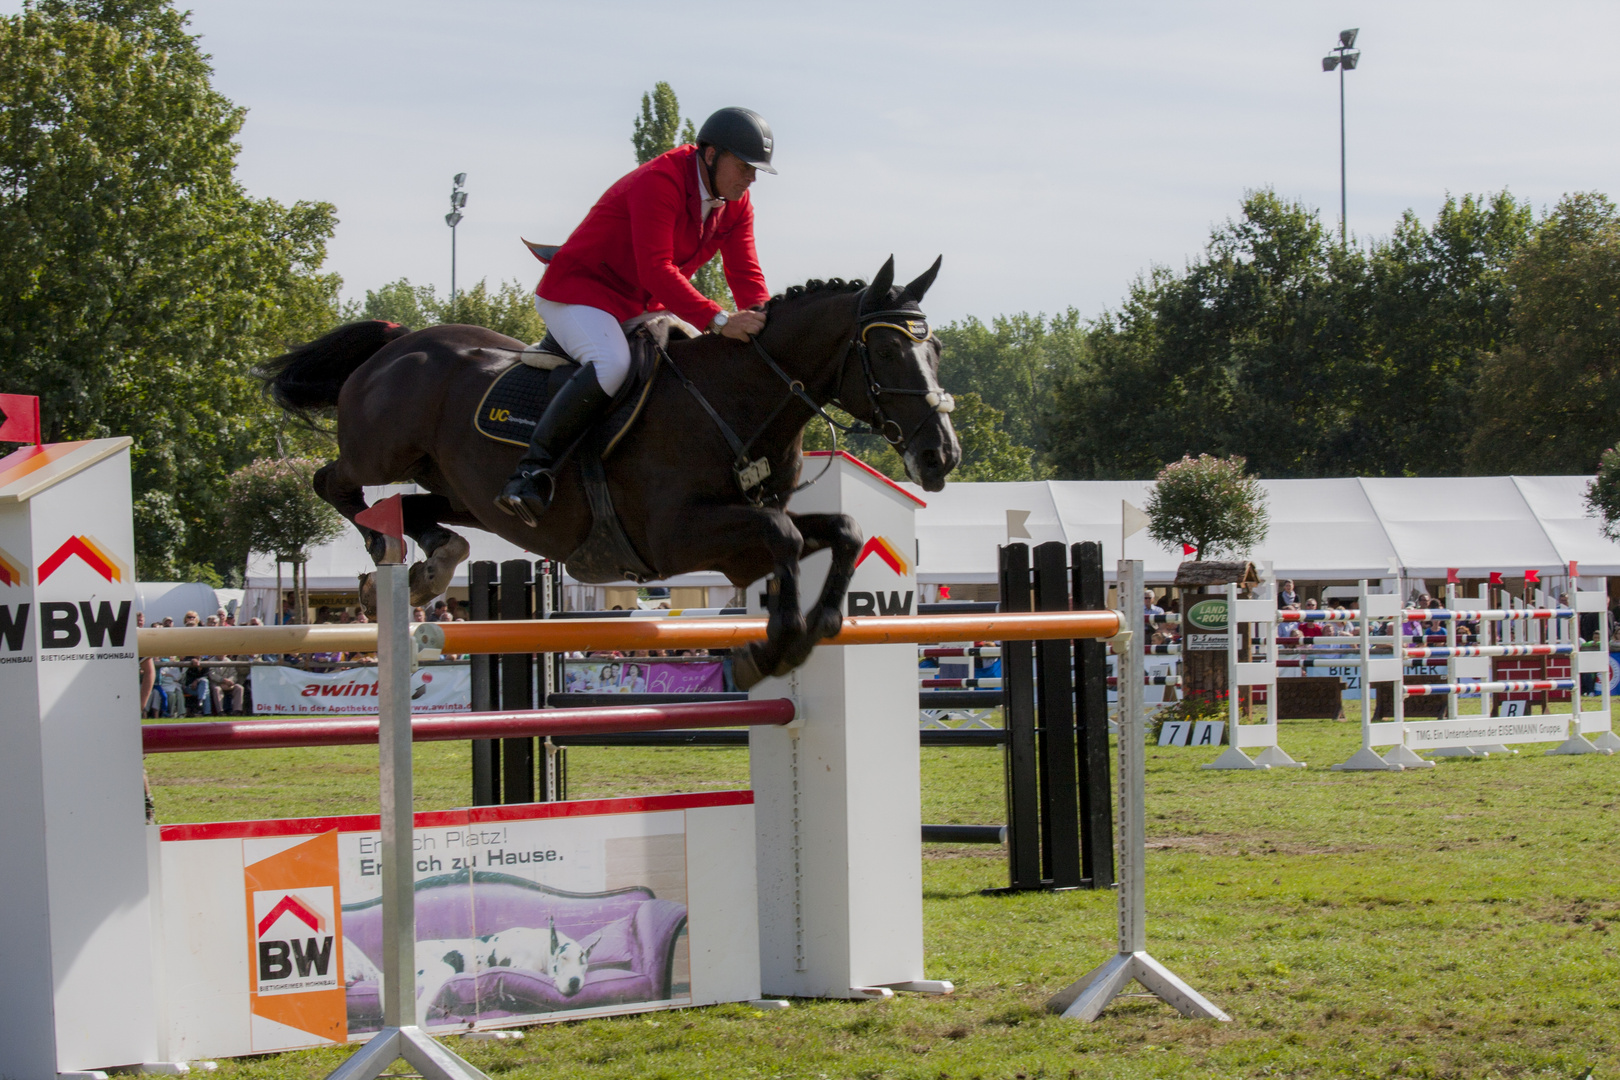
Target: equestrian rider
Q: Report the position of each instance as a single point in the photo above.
(636, 251)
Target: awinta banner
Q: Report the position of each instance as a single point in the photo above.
(282, 691)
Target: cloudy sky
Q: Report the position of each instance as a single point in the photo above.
(1051, 151)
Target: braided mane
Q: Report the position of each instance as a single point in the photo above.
(816, 285)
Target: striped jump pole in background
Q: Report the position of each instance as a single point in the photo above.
(1509, 686)
(962, 651)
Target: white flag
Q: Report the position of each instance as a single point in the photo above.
(1016, 525)
(1131, 520)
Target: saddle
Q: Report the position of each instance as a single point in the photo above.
(514, 402)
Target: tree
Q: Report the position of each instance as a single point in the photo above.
(1012, 364)
(1210, 503)
(1549, 400)
(655, 132)
(1603, 494)
(1306, 357)
(139, 284)
(508, 310)
(988, 452)
(272, 508)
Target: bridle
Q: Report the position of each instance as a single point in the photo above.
(752, 474)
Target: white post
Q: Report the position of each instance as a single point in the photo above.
(837, 793)
(1377, 669)
(77, 986)
(1088, 997)
(400, 1036)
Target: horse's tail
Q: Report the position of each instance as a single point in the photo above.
(310, 376)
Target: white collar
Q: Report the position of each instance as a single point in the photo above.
(703, 188)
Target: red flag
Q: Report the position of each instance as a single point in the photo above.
(19, 418)
(1188, 549)
(1451, 575)
(1532, 577)
(1496, 577)
(944, 592)
(387, 517)
(1574, 569)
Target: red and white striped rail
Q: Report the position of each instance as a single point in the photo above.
(1510, 686)
(962, 650)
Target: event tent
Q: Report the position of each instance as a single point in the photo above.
(1338, 529)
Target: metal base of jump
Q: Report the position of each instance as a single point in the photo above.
(1367, 760)
(1577, 744)
(1086, 998)
(427, 1057)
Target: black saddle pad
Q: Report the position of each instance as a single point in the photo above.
(514, 401)
(519, 395)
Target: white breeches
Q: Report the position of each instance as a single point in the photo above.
(591, 336)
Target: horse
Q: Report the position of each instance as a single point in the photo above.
(406, 401)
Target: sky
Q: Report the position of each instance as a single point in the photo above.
(1050, 151)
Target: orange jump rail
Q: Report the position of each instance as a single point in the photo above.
(563, 635)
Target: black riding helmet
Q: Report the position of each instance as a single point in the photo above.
(743, 132)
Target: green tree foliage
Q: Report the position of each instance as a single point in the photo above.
(1308, 358)
(508, 309)
(1012, 364)
(1208, 502)
(655, 132)
(1603, 494)
(988, 452)
(659, 125)
(271, 507)
(139, 283)
(1549, 400)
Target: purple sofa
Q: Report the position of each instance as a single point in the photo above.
(633, 960)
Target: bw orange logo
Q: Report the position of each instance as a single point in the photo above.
(12, 571)
(92, 553)
(884, 550)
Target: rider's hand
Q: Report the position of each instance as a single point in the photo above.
(741, 325)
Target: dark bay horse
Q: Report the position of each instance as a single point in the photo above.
(405, 403)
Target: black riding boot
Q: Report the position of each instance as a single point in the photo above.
(576, 407)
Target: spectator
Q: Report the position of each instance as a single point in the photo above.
(1149, 605)
(229, 687)
(168, 621)
(418, 615)
(1287, 599)
(1312, 629)
(1289, 629)
(191, 618)
(148, 672)
(199, 689)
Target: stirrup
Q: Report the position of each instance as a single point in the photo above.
(525, 499)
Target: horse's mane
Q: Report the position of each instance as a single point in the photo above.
(815, 285)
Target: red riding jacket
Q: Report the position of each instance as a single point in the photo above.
(643, 240)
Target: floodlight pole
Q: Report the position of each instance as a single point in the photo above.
(1344, 58)
(458, 199)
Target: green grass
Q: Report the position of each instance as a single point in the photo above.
(1454, 922)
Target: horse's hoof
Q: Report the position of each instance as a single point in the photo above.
(368, 594)
(826, 623)
(744, 670)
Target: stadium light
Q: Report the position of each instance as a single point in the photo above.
(458, 199)
(1344, 60)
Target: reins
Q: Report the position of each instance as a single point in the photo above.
(751, 475)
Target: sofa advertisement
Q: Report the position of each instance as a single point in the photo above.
(644, 676)
(524, 914)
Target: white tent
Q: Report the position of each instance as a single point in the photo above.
(1339, 529)
(1321, 530)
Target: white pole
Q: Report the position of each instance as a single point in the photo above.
(1087, 998)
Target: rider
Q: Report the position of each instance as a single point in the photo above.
(636, 251)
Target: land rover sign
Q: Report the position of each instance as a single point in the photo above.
(1207, 615)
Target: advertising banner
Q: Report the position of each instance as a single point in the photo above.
(282, 691)
(644, 676)
(546, 911)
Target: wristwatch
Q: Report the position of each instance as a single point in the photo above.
(719, 321)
